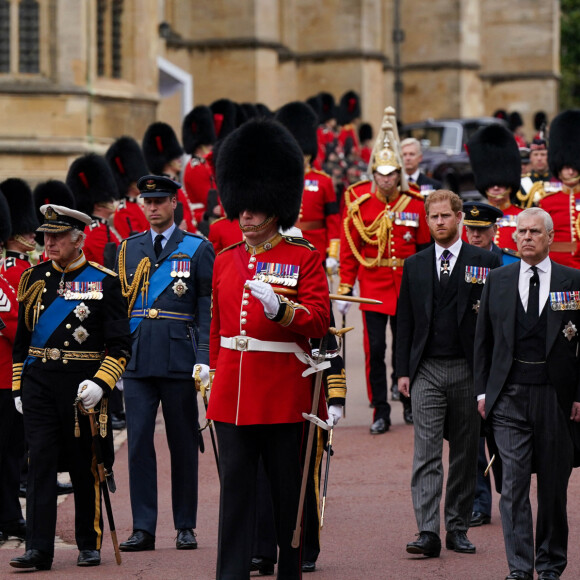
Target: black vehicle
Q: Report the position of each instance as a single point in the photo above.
(444, 154)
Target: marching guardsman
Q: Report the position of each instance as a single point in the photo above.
(72, 341)
(22, 237)
(326, 132)
(11, 427)
(198, 136)
(166, 275)
(95, 191)
(258, 415)
(539, 171)
(348, 115)
(127, 163)
(384, 224)
(164, 156)
(318, 218)
(561, 197)
(495, 159)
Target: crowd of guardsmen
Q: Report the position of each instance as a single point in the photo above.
(360, 207)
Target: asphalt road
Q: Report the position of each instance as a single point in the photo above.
(369, 516)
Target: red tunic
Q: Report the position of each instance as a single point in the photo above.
(349, 131)
(400, 226)
(563, 205)
(98, 235)
(190, 224)
(129, 218)
(506, 228)
(252, 387)
(224, 233)
(12, 267)
(9, 316)
(197, 181)
(319, 210)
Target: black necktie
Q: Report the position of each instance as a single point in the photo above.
(445, 269)
(157, 245)
(534, 296)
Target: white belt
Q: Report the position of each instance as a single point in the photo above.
(245, 344)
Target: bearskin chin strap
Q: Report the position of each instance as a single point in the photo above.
(257, 228)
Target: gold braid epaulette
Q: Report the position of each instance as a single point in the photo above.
(130, 291)
(536, 193)
(31, 298)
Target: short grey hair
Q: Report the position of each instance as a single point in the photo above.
(537, 211)
(75, 235)
(411, 141)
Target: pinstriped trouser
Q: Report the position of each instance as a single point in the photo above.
(443, 401)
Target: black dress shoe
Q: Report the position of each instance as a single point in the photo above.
(15, 528)
(479, 519)
(185, 539)
(264, 566)
(33, 559)
(117, 422)
(519, 575)
(428, 544)
(408, 415)
(379, 426)
(548, 575)
(63, 488)
(139, 541)
(458, 542)
(89, 558)
(308, 566)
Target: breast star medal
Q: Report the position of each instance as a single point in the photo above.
(80, 334)
(81, 311)
(179, 287)
(569, 331)
(475, 307)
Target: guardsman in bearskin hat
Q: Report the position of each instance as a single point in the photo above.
(327, 130)
(560, 197)
(349, 113)
(164, 156)
(127, 164)
(318, 218)
(72, 341)
(496, 163)
(24, 224)
(539, 173)
(516, 124)
(270, 295)
(384, 224)
(198, 136)
(95, 191)
(11, 427)
(166, 275)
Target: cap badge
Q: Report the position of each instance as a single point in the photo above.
(150, 184)
(474, 211)
(50, 214)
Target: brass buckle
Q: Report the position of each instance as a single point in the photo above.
(53, 353)
(153, 313)
(241, 343)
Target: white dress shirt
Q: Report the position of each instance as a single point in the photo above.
(544, 273)
(454, 249)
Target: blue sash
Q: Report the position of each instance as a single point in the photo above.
(60, 308)
(161, 278)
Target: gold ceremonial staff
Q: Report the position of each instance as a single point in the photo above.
(357, 299)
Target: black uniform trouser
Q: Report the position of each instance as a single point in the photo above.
(241, 448)
(11, 450)
(48, 403)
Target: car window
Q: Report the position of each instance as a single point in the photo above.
(437, 137)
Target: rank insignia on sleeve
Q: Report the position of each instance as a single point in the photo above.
(569, 330)
(179, 287)
(82, 311)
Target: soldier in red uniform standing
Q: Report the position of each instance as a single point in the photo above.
(326, 132)
(561, 196)
(495, 159)
(384, 224)
(198, 136)
(127, 164)
(258, 415)
(11, 427)
(318, 218)
(348, 116)
(95, 191)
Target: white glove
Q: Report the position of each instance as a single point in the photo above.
(119, 385)
(201, 373)
(90, 394)
(18, 404)
(265, 294)
(331, 266)
(334, 414)
(343, 306)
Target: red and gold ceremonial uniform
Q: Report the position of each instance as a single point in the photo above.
(224, 233)
(563, 205)
(198, 179)
(190, 223)
(129, 218)
(9, 316)
(348, 133)
(13, 266)
(506, 228)
(319, 219)
(264, 386)
(99, 234)
(325, 137)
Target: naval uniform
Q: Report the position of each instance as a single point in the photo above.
(169, 306)
(259, 392)
(72, 326)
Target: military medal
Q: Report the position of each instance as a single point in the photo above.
(408, 236)
(475, 307)
(272, 273)
(83, 291)
(311, 185)
(569, 331)
(80, 334)
(405, 218)
(476, 274)
(179, 287)
(81, 311)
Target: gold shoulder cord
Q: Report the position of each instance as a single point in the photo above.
(31, 298)
(535, 194)
(130, 291)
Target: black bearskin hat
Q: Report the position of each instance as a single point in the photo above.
(250, 110)
(540, 121)
(495, 158)
(51, 192)
(127, 162)
(264, 111)
(328, 107)
(91, 182)
(501, 114)
(316, 104)
(563, 145)
(197, 129)
(365, 132)
(260, 167)
(224, 117)
(300, 119)
(5, 226)
(349, 108)
(19, 197)
(514, 121)
(160, 146)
